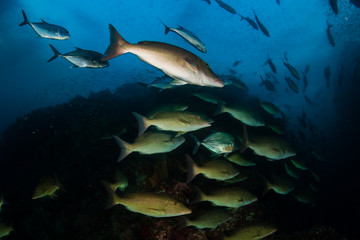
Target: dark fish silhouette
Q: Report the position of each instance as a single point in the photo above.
(81, 58)
(269, 85)
(292, 85)
(306, 83)
(271, 64)
(226, 6)
(334, 6)
(208, 1)
(278, 2)
(261, 26)
(251, 22)
(327, 73)
(329, 35)
(236, 63)
(292, 70)
(47, 30)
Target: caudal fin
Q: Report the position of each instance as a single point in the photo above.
(143, 122)
(245, 140)
(111, 195)
(197, 143)
(118, 45)
(220, 108)
(126, 148)
(199, 197)
(26, 21)
(56, 53)
(191, 168)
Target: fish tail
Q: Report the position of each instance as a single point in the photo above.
(184, 222)
(200, 196)
(220, 108)
(26, 21)
(197, 143)
(144, 123)
(245, 141)
(126, 148)
(56, 53)
(110, 193)
(191, 168)
(241, 16)
(118, 45)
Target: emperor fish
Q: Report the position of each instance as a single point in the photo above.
(188, 36)
(214, 169)
(272, 147)
(180, 64)
(178, 121)
(81, 58)
(149, 143)
(46, 30)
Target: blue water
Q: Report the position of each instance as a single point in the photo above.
(298, 28)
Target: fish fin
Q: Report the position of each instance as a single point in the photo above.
(26, 21)
(183, 223)
(191, 168)
(167, 29)
(245, 141)
(191, 62)
(110, 193)
(42, 20)
(242, 17)
(197, 143)
(220, 108)
(56, 53)
(144, 123)
(200, 196)
(180, 27)
(178, 82)
(74, 66)
(126, 148)
(118, 45)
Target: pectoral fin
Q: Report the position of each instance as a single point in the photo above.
(178, 82)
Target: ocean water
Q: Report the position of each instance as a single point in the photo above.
(58, 122)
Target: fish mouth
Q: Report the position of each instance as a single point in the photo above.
(219, 83)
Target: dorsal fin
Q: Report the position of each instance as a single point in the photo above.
(42, 20)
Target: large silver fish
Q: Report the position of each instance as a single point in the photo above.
(81, 58)
(180, 64)
(188, 36)
(47, 30)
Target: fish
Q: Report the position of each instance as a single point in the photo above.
(120, 181)
(251, 232)
(306, 83)
(306, 196)
(271, 147)
(161, 85)
(188, 36)
(214, 169)
(225, 6)
(179, 64)
(292, 70)
(300, 164)
(232, 71)
(47, 186)
(291, 171)
(177, 121)
(245, 114)
(270, 108)
(167, 107)
(293, 86)
(251, 22)
(210, 219)
(150, 142)
(5, 229)
(237, 62)
(334, 6)
(327, 74)
(278, 2)
(218, 143)
(243, 175)
(81, 58)
(232, 80)
(280, 184)
(308, 100)
(46, 30)
(231, 197)
(307, 69)
(149, 204)
(277, 126)
(271, 64)
(207, 97)
(240, 159)
(261, 26)
(269, 85)
(329, 34)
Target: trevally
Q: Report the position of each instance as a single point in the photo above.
(180, 64)
(81, 58)
(47, 30)
(188, 36)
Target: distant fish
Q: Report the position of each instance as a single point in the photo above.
(334, 6)
(81, 58)
(329, 34)
(278, 2)
(251, 22)
(269, 85)
(47, 186)
(188, 36)
(261, 26)
(232, 71)
(293, 86)
(291, 170)
(236, 63)
(300, 164)
(292, 69)
(149, 143)
(210, 219)
(271, 64)
(306, 83)
(180, 64)
(232, 80)
(251, 232)
(47, 30)
(208, 1)
(225, 6)
(280, 184)
(327, 74)
(207, 97)
(217, 169)
(270, 108)
(307, 69)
